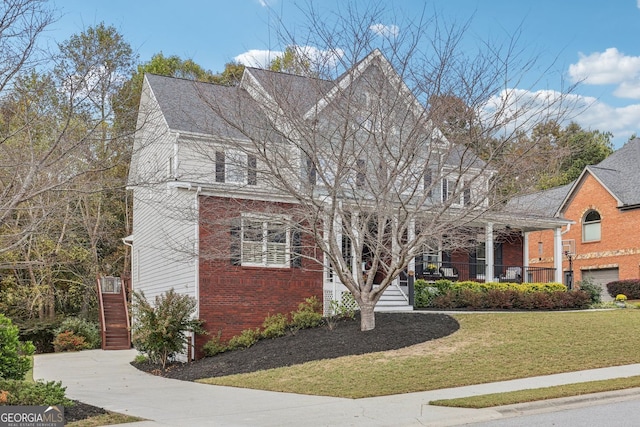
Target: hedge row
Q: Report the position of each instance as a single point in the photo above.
(629, 287)
(444, 294)
(511, 299)
(520, 287)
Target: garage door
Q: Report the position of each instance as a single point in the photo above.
(602, 277)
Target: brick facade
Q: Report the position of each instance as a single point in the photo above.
(618, 247)
(233, 298)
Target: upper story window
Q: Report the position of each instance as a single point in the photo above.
(236, 167)
(360, 173)
(428, 183)
(591, 228)
(220, 166)
(448, 190)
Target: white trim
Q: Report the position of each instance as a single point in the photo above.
(557, 254)
(488, 253)
(265, 220)
(577, 183)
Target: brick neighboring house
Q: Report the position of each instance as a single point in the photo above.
(208, 225)
(604, 206)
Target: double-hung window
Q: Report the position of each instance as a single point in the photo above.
(236, 167)
(265, 241)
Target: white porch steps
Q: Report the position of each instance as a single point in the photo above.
(393, 300)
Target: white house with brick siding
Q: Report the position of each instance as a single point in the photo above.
(209, 222)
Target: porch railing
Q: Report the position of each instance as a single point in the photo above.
(457, 271)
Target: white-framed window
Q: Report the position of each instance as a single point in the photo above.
(428, 183)
(236, 167)
(361, 171)
(451, 191)
(264, 241)
(431, 257)
(591, 226)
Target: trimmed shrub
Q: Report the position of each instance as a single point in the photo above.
(308, 314)
(40, 332)
(68, 341)
(274, 326)
(507, 299)
(80, 327)
(160, 330)
(214, 346)
(593, 290)
(14, 354)
(26, 393)
(424, 292)
(246, 339)
(628, 287)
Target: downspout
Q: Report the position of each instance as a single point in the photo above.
(196, 248)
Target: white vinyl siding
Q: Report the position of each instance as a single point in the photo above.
(165, 241)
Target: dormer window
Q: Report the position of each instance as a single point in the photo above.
(591, 229)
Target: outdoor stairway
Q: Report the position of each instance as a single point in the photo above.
(393, 300)
(116, 336)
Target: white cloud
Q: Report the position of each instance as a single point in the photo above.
(257, 58)
(316, 57)
(528, 108)
(387, 30)
(608, 67)
(638, 4)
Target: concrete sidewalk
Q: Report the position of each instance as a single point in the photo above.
(106, 379)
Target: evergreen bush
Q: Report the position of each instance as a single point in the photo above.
(160, 330)
(15, 355)
(90, 331)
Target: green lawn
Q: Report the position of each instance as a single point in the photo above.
(534, 394)
(488, 347)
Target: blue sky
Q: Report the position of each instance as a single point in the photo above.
(591, 41)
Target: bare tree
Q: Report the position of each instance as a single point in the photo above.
(360, 159)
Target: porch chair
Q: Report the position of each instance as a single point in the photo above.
(449, 273)
(512, 274)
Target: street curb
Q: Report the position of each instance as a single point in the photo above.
(550, 405)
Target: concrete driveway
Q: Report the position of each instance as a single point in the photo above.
(106, 379)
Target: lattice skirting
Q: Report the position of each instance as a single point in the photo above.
(345, 298)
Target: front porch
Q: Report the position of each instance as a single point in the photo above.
(508, 261)
(458, 272)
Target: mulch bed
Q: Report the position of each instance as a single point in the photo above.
(81, 411)
(392, 331)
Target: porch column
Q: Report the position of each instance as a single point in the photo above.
(327, 273)
(411, 236)
(525, 256)
(488, 249)
(394, 247)
(525, 249)
(356, 269)
(557, 253)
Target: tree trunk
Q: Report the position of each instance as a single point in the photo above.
(367, 317)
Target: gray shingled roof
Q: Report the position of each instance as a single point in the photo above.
(298, 92)
(543, 203)
(211, 109)
(620, 173)
(191, 106)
